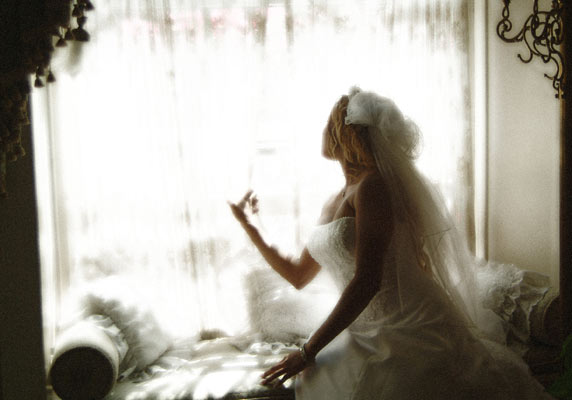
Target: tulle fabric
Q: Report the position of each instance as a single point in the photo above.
(393, 139)
(411, 341)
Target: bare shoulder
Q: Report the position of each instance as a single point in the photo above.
(372, 182)
(331, 199)
(329, 208)
(372, 196)
(372, 187)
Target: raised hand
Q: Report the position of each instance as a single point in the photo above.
(249, 202)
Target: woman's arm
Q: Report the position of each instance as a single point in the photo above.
(298, 272)
(374, 227)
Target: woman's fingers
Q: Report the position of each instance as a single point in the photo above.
(284, 370)
(285, 374)
(275, 368)
(274, 372)
(239, 209)
(269, 379)
(285, 378)
(273, 377)
(254, 204)
(245, 199)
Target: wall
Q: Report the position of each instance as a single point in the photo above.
(523, 152)
(21, 348)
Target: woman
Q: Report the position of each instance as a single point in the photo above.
(402, 327)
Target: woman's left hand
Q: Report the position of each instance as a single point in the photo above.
(247, 205)
(290, 365)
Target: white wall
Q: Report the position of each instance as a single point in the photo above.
(523, 152)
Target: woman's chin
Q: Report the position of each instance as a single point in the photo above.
(328, 156)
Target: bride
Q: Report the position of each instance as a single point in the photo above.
(405, 326)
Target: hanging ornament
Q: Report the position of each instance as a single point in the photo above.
(77, 11)
(79, 33)
(88, 5)
(38, 82)
(61, 41)
(31, 49)
(69, 34)
(51, 77)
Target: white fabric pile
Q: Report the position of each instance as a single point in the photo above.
(511, 293)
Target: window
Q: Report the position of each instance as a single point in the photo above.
(175, 107)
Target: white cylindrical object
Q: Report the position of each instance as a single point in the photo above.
(85, 363)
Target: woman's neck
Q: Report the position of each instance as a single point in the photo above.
(354, 173)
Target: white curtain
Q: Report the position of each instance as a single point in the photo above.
(175, 107)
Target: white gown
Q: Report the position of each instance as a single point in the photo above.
(409, 342)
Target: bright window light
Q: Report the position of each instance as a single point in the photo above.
(172, 109)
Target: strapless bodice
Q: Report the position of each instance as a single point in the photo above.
(332, 245)
(405, 293)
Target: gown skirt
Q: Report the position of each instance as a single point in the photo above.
(410, 342)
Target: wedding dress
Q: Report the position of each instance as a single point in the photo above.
(410, 342)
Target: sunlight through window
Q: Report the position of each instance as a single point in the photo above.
(176, 107)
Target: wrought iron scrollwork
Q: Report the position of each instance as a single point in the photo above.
(543, 34)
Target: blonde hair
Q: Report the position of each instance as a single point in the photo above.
(348, 143)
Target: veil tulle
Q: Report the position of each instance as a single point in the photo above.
(393, 140)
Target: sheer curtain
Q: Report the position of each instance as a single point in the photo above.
(175, 107)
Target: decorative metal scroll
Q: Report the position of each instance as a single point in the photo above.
(543, 33)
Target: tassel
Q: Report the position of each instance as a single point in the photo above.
(89, 6)
(51, 77)
(61, 42)
(80, 34)
(38, 82)
(77, 11)
(81, 21)
(69, 34)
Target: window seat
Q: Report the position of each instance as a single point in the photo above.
(223, 368)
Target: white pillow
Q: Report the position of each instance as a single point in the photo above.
(511, 293)
(118, 299)
(281, 313)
